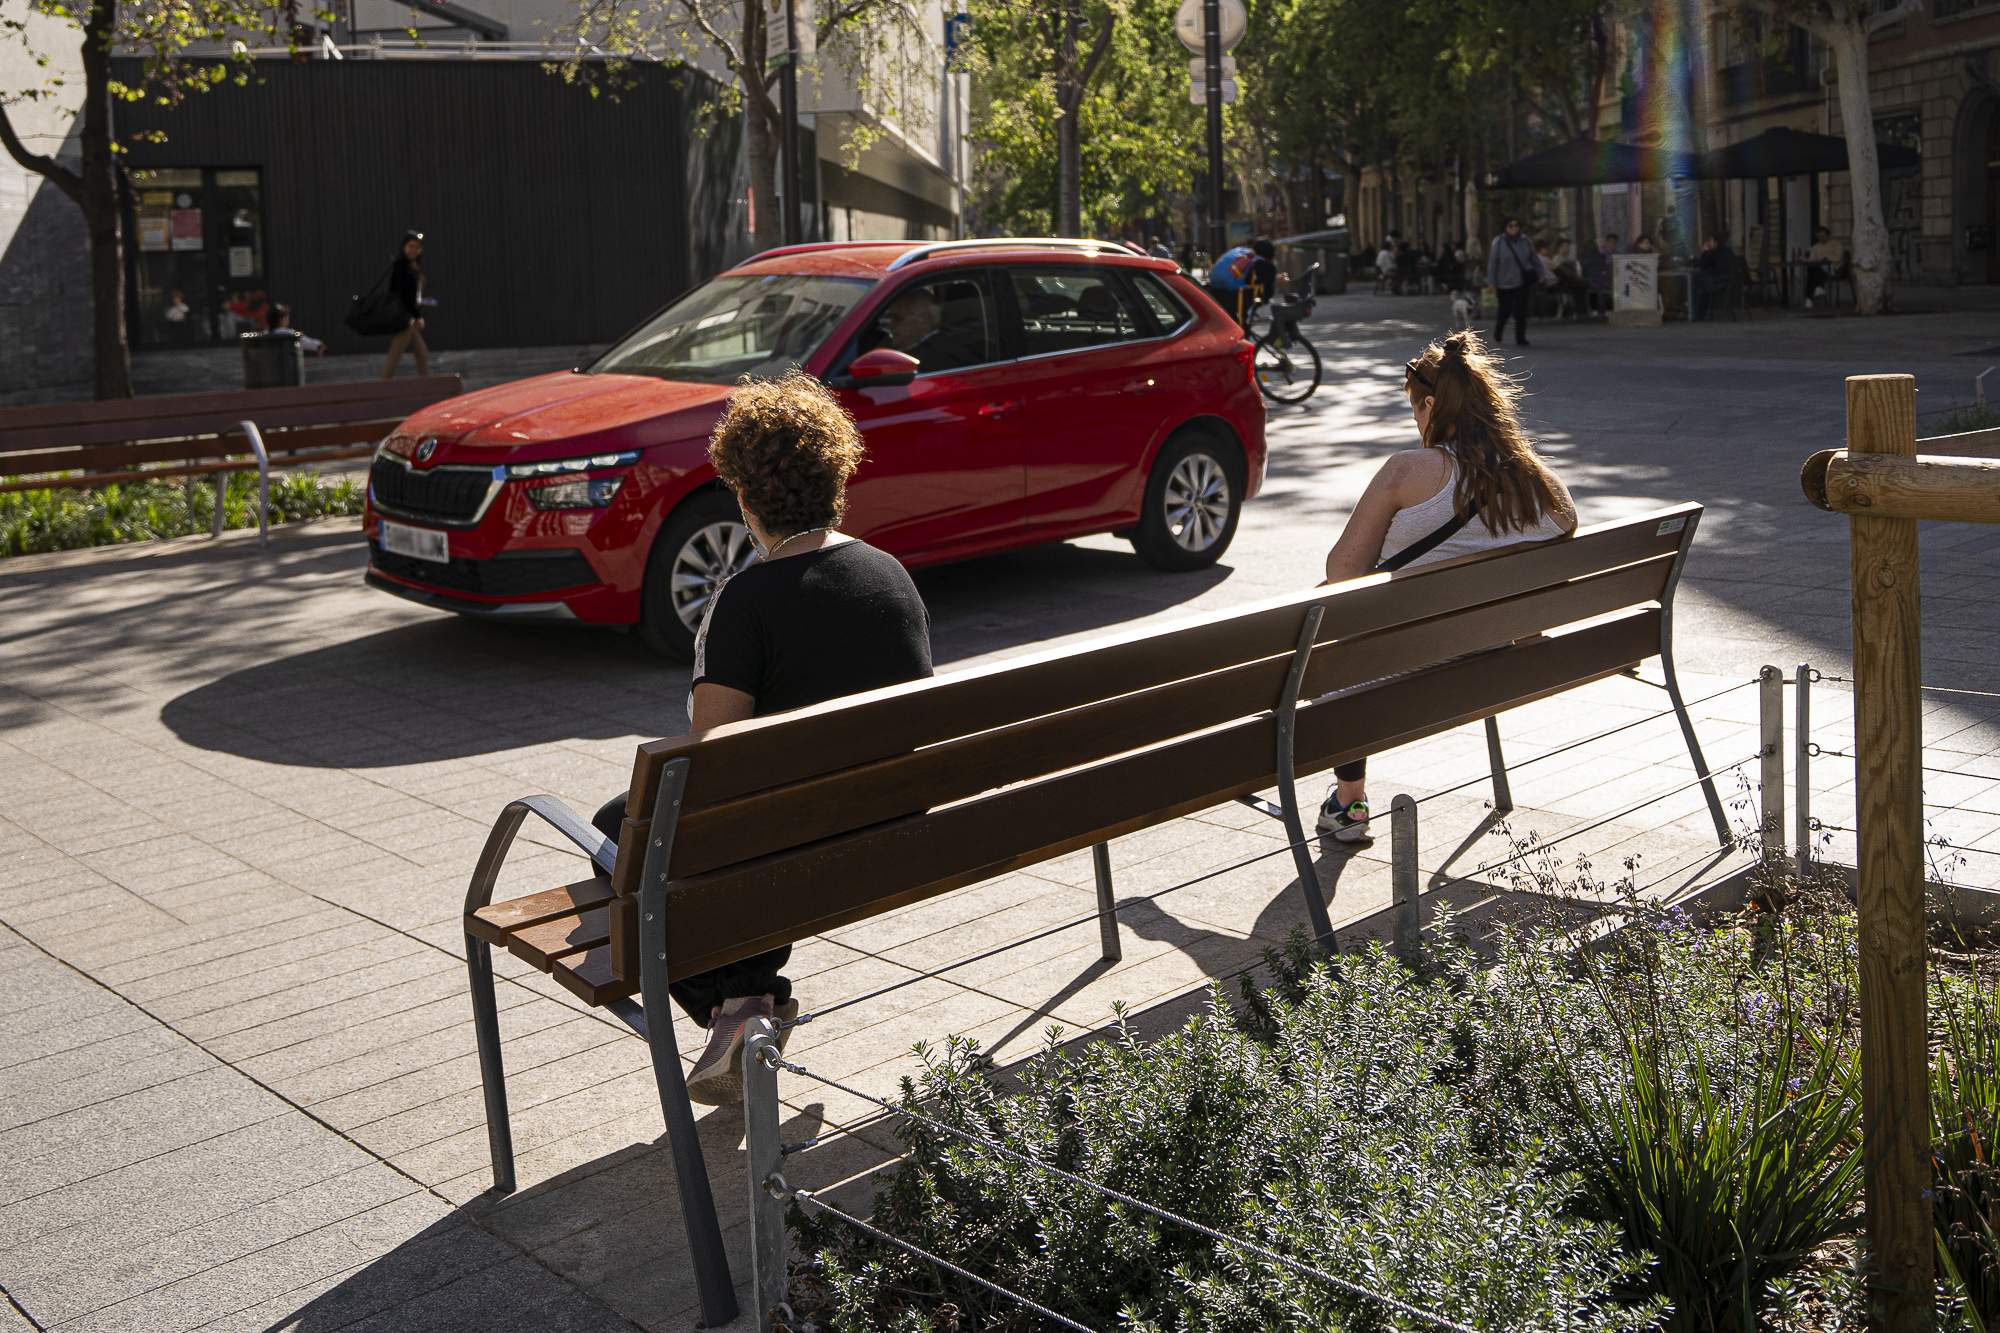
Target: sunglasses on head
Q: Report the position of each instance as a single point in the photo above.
(1410, 372)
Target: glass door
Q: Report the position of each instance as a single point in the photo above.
(196, 250)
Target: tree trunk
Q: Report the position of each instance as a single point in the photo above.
(761, 147)
(1849, 45)
(1069, 147)
(101, 215)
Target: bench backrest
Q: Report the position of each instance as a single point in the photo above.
(835, 813)
(118, 433)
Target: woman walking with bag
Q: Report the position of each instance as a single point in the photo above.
(406, 285)
(1476, 485)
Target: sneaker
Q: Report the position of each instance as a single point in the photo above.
(717, 1077)
(1348, 823)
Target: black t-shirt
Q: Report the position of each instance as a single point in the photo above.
(815, 626)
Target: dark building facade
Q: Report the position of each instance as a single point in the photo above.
(552, 217)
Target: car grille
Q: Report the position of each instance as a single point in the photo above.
(446, 494)
(511, 574)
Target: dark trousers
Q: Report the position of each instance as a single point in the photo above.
(1514, 306)
(1353, 772)
(700, 994)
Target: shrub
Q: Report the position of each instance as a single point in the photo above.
(1965, 1132)
(60, 520)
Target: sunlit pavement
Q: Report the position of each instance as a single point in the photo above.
(240, 795)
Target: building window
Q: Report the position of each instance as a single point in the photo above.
(196, 261)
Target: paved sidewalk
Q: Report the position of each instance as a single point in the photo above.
(240, 796)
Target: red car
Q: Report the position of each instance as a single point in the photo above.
(1011, 392)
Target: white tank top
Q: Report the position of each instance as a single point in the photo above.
(1412, 525)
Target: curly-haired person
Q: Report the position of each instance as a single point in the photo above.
(821, 615)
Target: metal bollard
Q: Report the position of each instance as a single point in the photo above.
(1802, 768)
(1406, 931)
(768, 1248)
(1771, 717)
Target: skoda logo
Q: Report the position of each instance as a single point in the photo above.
(426, 447)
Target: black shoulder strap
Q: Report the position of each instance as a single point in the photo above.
(1429, 542)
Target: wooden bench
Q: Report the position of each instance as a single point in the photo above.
(774, 830)
(86, 445)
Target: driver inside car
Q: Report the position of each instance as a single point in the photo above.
(914, 324)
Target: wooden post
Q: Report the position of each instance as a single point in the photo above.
(1895, 1147)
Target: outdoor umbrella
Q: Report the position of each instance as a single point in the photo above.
(1590, 162)
(1783, 152)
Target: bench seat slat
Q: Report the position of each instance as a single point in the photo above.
(560, 937)
(495, 922)
(122, 421)
(861, 874)
(786, 816)
(591, 978)
(752, 756)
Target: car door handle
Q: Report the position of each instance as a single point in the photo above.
(994, 411)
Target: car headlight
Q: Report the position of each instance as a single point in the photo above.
(517, 471)
(577, 493)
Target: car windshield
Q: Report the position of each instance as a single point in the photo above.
(749, 324)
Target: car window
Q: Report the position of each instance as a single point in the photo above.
(944, 322)
(1063, 309)
(744, 324)
(1161, 300)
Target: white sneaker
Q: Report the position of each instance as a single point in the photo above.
(1348, 823)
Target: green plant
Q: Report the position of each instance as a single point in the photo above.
(1979, 416)
(59, 519)
(1965, 1133)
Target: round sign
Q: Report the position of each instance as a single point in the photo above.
(1189, 27)
(184, 201)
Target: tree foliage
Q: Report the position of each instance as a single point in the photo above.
(878, 47)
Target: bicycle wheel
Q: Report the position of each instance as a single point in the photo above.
(1287, 369)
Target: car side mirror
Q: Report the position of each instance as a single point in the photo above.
(883, 368)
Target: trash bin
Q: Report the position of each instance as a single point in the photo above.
(1333, 278)
(273, 360)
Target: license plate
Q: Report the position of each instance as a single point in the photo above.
(417, 543)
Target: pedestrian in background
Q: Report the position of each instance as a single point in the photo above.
(406, 284)
(1244, 278)
(1513, 270)
(1385, 266)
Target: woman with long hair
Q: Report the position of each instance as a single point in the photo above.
(1476, 485)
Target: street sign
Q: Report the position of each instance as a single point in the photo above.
(1198, 69)
(1198, 91)
(1188, 24)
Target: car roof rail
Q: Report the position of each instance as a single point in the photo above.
(1012, 242)
(810, 246)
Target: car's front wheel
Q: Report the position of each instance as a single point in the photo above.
(1194, 496)
(702, 544)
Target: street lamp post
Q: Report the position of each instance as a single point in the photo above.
(1211, 22)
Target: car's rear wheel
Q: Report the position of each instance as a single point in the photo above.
(1194, 496)
(703, 543)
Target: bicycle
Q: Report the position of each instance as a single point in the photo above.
(1285, 364)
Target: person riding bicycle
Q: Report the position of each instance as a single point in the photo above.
(1244, 278)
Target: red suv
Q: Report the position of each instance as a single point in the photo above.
(1011, 392)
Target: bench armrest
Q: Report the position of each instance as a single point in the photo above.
(602, 851)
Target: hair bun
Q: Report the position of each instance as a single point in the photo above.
(1458, 344)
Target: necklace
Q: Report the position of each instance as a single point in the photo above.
(776, 547)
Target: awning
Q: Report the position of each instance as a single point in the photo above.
(1591, 162)
(1783, 152)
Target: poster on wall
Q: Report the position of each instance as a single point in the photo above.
(153, 232)
(186, 228)
(1635, 289)
(242, 261)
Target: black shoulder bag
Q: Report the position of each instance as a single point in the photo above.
(377, 311)
(1429, 542)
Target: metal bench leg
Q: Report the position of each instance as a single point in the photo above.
(492, 1073)
(1107, 903)
(704, 1229)
(1673, 682)
(256, 438)
(1288, 796)
(1503, 791)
